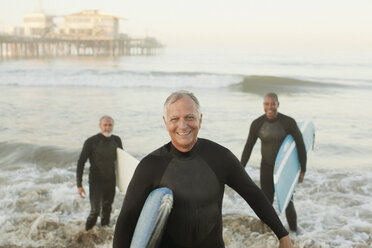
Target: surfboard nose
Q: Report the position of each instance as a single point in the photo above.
(153, 219)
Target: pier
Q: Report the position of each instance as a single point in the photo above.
(20, 47)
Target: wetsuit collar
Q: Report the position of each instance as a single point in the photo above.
(272, 120)
(104, 137)
(184, 155)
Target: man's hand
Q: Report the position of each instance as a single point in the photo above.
(302, 175)
(81, 192)
(285, 242)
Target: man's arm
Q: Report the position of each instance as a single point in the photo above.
(238, 179)
(140, 186)
(300, 145)
(84, 155)
(252, 138)
(120, 144)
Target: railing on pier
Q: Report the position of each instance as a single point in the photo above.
(14, 47)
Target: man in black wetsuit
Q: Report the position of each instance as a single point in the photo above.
(272, 128)
(196, 170)
(101, 151)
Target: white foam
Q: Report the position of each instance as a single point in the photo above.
(117, 79)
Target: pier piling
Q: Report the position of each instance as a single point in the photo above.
(19, 47)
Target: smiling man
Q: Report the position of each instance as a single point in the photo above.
(182, 120)
(196, 170)
(272, 128)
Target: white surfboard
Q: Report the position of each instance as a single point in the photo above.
(125, 167)
(287, 166)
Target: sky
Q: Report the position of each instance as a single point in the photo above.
(224, 24)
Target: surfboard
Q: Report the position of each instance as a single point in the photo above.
(125, 167)
(287, 166)
(153, 218)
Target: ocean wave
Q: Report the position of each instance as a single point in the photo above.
(263, 84)
(14, 155)
(115, 79)
(118, 78)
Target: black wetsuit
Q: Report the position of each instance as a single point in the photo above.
(197, 179)
(101, 152)
(272, 133)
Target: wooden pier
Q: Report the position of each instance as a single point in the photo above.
(20, 47)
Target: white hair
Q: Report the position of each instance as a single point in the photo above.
(106, 117)
(175, 96)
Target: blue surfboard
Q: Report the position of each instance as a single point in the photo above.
(287, 166)
(153, 219)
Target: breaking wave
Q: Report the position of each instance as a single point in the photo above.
(113, 78)
(263, 84)
(13, 155)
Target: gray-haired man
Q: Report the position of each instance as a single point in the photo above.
(196, 170)
(100, 149)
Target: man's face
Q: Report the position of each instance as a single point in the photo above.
(271, 107)
(183, 122)
(106, 125)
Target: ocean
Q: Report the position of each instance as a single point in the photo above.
(49, 107)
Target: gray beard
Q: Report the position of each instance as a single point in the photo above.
(107, 135)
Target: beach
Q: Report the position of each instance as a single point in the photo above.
(49, 107)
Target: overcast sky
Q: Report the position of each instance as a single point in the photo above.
(341, 24)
